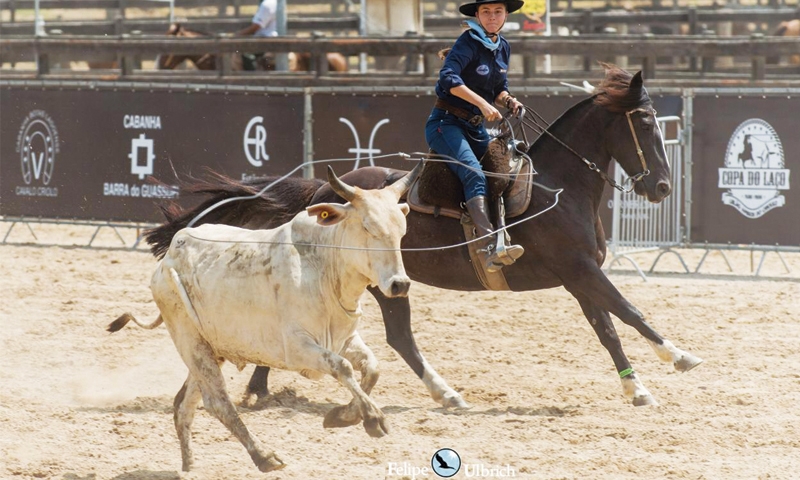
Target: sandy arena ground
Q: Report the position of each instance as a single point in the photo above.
(77, 403)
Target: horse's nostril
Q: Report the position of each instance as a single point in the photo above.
(663, 189)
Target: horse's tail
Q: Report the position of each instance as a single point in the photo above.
(274, 207)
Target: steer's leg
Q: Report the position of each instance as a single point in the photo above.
(204, 367)
(397, 320)
(304, 354)
(362, 358)
(185, 407)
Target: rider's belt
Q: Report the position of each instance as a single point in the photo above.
(461, 113)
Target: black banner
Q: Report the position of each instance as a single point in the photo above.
(365, 128)
(744, 150)
(86, 153)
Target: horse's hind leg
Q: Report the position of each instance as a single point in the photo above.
(591, 283)
(600, 321)
(258, 383)
(397, 320)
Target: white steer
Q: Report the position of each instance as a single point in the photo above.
(287, 297)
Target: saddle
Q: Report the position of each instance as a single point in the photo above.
(438, 191)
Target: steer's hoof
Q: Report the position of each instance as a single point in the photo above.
(643, 400)
(341, 416)
(376, 427)
(269, 463)
(687, 362)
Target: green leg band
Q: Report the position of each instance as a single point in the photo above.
(625, 373)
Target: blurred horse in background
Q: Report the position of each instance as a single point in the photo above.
(298, 62)
(789, 28)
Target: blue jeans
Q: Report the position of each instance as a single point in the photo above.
(448, 135)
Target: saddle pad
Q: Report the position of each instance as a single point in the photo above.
(418, 205)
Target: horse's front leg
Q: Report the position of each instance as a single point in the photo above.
(600, 321)
(397, 320)
(587, 280)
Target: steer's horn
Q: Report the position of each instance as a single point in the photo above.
(401, 186)
(342, 189)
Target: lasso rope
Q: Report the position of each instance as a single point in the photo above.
(415, 156)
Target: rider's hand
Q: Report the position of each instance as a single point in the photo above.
(515, 106)
(490, 113)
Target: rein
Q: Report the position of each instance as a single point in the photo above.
(538, 124)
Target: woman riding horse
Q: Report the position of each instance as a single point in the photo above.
(473, 77)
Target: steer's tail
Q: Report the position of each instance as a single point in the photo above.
(123, 320)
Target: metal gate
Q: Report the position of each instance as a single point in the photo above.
(637, 224)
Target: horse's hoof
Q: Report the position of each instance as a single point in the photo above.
(455, 401)
(687, 362)
(269, 463)
(644, 400)
(376, 427)
(340, 417)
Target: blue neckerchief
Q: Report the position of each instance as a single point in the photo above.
(478, 33)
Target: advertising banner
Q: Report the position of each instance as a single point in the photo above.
(531, 18)
(87, 153)
(367, 129)
(744, 151)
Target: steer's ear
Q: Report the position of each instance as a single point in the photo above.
(328, 213)
(405, 208)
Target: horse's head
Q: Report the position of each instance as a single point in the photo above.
(635, 139)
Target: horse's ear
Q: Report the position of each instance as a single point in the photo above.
(636, 81)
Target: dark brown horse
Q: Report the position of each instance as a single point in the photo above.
(298, 62)
(563, 247)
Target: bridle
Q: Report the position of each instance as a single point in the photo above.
(647, 111)
(539, 125)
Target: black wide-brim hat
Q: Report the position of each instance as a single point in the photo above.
(471, 9)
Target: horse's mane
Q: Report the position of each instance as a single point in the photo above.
(617, 94)
(279, 204)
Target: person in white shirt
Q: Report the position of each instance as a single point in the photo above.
(265, 21)
(264, 24)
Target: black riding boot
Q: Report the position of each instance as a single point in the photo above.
(478, 208)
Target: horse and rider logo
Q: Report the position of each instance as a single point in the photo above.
(754, 173)
(38, 145)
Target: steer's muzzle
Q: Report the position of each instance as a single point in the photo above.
(398, 286)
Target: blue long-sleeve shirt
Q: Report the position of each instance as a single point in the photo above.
(483, 71)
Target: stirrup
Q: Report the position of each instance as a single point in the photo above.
(499, 256)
